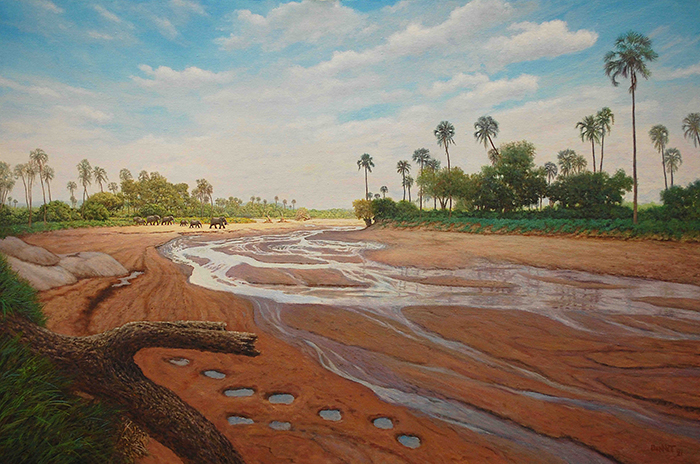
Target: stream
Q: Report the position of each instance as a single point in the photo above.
(378, 292)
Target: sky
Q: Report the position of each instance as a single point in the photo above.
(270, 98)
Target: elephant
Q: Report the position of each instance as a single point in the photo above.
(167, 220)
(155, 219)
(218, 221)
(139, 221)
(195, 223)
(184, 222)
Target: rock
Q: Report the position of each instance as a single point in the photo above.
(41, 277)
(92, 264)
(12, 246)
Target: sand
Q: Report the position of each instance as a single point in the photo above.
(636, 373)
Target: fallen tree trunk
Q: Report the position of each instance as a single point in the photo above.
(103, 366)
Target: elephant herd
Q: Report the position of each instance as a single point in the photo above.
(217, 222)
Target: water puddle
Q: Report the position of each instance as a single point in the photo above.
(179, 361)
(277, 425)
(240, 420)
(127, 280)
(383, 423)
(214, 374)
(409, 441)
(239, 392)
(331, 415)
(281, 398)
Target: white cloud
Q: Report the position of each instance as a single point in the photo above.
(100, 35)
(84, 113)
(31, 89)
(491, 93)
(165, 27)
(458, 82)
(191, 77)
(48, 6)
(107, 14)
(545, 40)
(305, 21)
(668, 74)
(189, 6)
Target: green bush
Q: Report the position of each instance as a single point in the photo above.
(109, 200)
(57, 211)
(93, 211)
(10, 216)
(152, 210)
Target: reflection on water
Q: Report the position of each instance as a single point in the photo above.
(300, 257)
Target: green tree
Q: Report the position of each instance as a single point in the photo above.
(365, 162)
(570, 162)
(384, 189)
(49, 174)
(672, 160)
(408, 183)
(591, 191)
(589, 130)
(207, 192)
(403, 168)
(7, 182)
(100, 175)
(551, 170)
(294, 204)
(659, 137)
(691, 128)
(632, 53)
(85, 176)
(486, 128)
(40, 158)
(113, 187)
(421, 156)
(125, 174)
(605, 119)
(72, 187)
(445, 133)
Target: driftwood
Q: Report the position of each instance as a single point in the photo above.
(103, 366)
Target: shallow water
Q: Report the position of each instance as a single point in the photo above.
(556, 294)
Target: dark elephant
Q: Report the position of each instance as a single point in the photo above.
(155, 219)
(167, 221)
(184, 222)
(219, 222)
(139, 221)
(195, 223)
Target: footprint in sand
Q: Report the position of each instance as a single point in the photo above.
(181, 362)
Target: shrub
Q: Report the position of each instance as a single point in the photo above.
(152, 209)
(57, 211)
(363, 210)
(109, 200)
(384, 208)
(589, 190)
(94, 211)
(302, 214)
(682, 203)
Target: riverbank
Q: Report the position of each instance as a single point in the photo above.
(577, 371)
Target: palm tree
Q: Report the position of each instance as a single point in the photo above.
(72, 187)
(20, 172)
(125, 174)
(673, 160)
(578, 164)
(7, 182)
(294, 204)
(365, 162)
(445, 133)
(49, 174)
(486, 127)
(40, 158)
(284, 202)
(494, 156)
(421, 156)
(143, 176)
(403, 168)
(113, 187)
(407, 183)
(85, 176)
(589, 131)
(605, 119)
(632, 52)
(566, 161)
(659, 137)
(276, 199)
(384, 189)
(100, 176)
(207, 192)
(551, 170)
(691, 128)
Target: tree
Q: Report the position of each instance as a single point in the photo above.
(206, 191)
(691, 128)
(570, 162)
(49, 174)
(85, 176)
(486, 127)
(7, 182)
(100, 176)
(384, 189)
(445, 133)
(596, 192)
(493, 156)
(421, 156)
(551, 170)
(294, 203)
(659, 137)
(589, 130)
(605, 119)
(40, 158)
(629, 59)
(403, 168)
(72, 187)
(20, 172)
(113, 187)
(673, 160)
(365, 162)
(276, 199)
(284, 202)
(125, 174)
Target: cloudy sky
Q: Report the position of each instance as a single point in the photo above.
(273, 98)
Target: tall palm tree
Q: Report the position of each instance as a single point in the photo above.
(659, 137)
(551, 170)
(673, 161)
(40, 158)
(421, 156)
(284, 202)
(49, 174)
(629, 59)
(294, 204)
(403, 168)
(384, 189)
(365, 162)
(445, 133)
(407, 183)
(578, 163)
(588, 128)
(691, 128)
(605, 119)
(486, 128)
(85, 176)
(434, 165)
(207, 192)
(100, 176)
(494, 156)
(276, 199)
(566, 161)
(125, 174)
(72, 187)
(20, 172)
(113, 187)
(7, 182)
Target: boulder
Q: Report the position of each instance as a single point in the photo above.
(41, 277)
(92, 264)
(12, 246)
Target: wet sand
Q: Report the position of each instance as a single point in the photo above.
(576, 369)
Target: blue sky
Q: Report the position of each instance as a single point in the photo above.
(274, 98)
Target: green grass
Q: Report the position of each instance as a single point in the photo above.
(39, 226)
(17, 297)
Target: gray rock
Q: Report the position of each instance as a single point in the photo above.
(92, 264)
(41, 277)
(12, 246)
